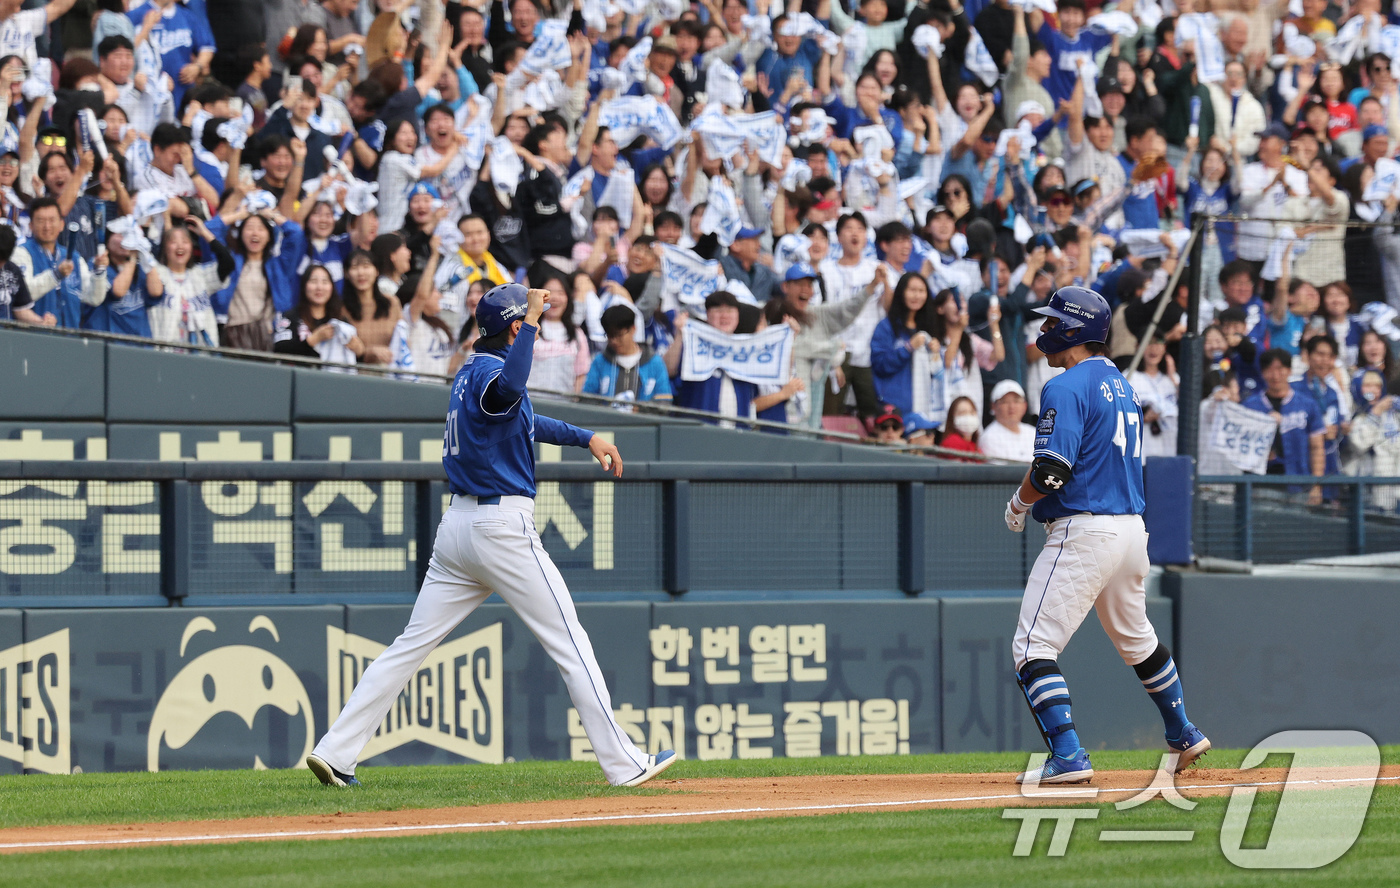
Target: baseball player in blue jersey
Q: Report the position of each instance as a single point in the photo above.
(487, 542)
(1085, 485)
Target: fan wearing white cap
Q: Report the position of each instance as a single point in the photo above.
(1006, 437)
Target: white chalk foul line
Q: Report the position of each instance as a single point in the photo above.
(606, 818)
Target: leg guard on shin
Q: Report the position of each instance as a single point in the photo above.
(1048, 697)
(1158, 676)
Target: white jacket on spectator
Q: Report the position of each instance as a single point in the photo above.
(1244, 124)
(1324, 261)
(999, 442)
(1261, 198)
(1158, 392)
(1375, 442)
(185, 308)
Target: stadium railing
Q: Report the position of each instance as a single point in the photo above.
(1267, 519)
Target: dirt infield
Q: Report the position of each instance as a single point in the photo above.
(684, 801)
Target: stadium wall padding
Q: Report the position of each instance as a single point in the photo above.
(1264, 654)
(11, 707)
(146, 385)
(131, 689)
(145, 391)
(52, 377)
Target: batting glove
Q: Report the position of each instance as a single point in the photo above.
(1016, 513)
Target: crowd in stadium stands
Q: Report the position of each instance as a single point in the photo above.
(901, 182)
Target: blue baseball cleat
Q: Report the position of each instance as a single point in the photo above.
(1192, 745)
(1061, 770)
(659, 762)
(328, 775)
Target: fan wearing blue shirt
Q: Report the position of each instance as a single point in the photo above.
(720, 392)
(215, 156)
(130, 291)
(626, 369)
(1317, 383)
(1068, 46)
(794, 54)
(1140, 206)
(183, 40)
(1284, 325)
(1299, 446)
(1238, 284)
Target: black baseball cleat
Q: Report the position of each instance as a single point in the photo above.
(328, 775)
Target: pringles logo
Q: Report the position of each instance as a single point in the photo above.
(240, 679)
(453, 702)
(34, 704)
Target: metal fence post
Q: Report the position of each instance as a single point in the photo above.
(1191, 351)
(423, 526)
(176, 543)
(912, 575)
(675, 519)
(1357, 518)
(1244, 512)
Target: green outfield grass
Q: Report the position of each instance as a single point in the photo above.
(40, 799)
(943, 847)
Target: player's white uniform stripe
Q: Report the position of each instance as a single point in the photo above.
(1046, 588)
(1035, 686)
(1064, 459)
(627, 745)
(1061, 691)
(1164, 685)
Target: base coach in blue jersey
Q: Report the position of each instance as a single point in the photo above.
(487, 542)
(1085, 485)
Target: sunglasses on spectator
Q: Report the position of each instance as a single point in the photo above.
(889, 427)
(954, 192)
(52, 141)
(1059, 202)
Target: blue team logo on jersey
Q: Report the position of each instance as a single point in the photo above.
(1047, 423)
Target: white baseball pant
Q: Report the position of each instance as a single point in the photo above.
(1097, 561)
(481, 549)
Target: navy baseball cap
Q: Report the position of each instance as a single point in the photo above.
(799, 271)
(748, 232)
(500, 307)
(1275, 130)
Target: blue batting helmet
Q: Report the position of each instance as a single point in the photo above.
(499, 307)
(1083, 316)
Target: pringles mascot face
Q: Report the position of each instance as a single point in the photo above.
(240, 679)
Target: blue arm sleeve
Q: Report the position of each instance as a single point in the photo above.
(554, 431)
(512, 380)
(508, 386)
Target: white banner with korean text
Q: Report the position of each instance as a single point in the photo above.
(762, 357)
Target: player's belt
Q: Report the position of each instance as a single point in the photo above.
(480, 500)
